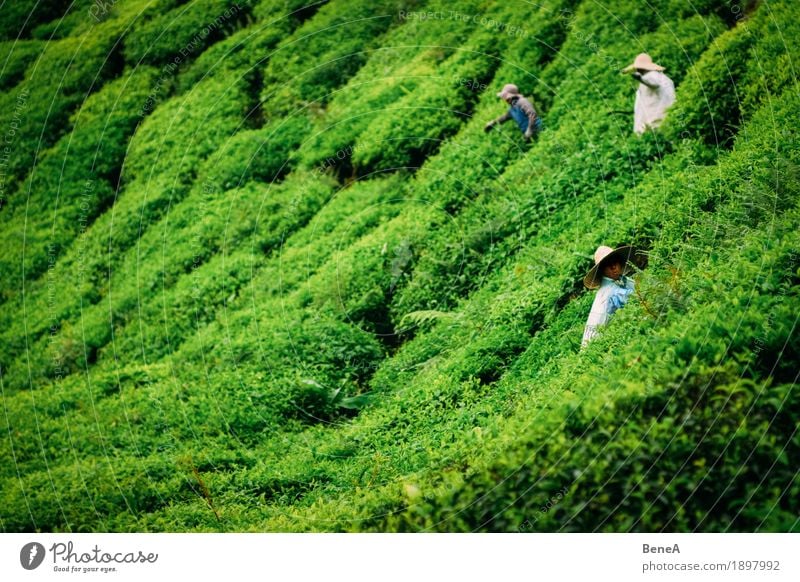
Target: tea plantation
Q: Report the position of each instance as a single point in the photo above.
(261, 268)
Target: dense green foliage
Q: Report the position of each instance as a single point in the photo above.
(263, 270)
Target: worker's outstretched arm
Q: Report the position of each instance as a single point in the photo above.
(502, 119)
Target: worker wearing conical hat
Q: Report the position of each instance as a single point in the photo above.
(613, 286)
(655, 94)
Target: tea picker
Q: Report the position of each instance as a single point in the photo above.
(654, 96)
(614, 287)
(521, 110)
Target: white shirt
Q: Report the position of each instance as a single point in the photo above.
(651, 104)
(610, 296)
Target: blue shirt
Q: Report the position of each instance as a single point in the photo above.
(611, 295)
(518, 115)
(523, 114)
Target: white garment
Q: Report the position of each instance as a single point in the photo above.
(611, 295)
(651, 104)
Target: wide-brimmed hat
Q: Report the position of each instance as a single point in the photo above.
(643, 61)
(601, 256)
(509, 90)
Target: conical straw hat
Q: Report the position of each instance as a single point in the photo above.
(643, 61)
(602, 254)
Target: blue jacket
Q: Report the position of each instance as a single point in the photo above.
(524, 114)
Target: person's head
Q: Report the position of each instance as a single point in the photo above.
(509, 93)
(613, 268)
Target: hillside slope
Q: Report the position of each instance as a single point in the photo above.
(263, 269)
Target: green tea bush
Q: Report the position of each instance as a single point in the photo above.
(301, 10)
(154, 153)
(718, 73)
(250, 46)
(333, 46)
(89, 493)
(165, 161)
(220, 242)
(770, 63)
(16, 57)
(167, 168)
(478, 240)
(393, 70)
(36, 111)
(183, 31)
(408, 132)
(180, 133)
(74, 180)
(18, 18)
(263, 154)
(348, 215)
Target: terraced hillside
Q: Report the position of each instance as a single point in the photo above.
(263, 270)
